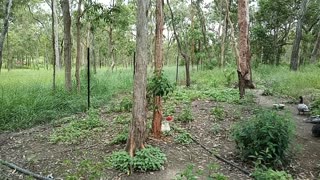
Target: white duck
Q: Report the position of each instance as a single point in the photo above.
(302, 107)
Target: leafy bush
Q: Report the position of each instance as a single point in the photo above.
(183, 138)
(185, 115)
(121, 160)
(271, 175)
(121, 138)
(264, 138)
(159, 86)
(149, 159)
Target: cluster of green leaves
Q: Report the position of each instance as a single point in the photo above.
(159, 85)
(183, 138)
(218, 112)
(186, 114)
(265, 138)
(77, 129)
(270, 174)
(121, 137)
(126, 104)
(148, 159)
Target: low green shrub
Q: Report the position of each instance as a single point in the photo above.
(148, 159)
(126, 104)
(120, 138)
(189, 173)
(185, 115)
(183, 138)
(218, 113)
(270, 174)
(120, 160)
(122, 119)
(264, 138)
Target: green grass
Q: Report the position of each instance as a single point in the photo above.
(289, 83)
(27, 99)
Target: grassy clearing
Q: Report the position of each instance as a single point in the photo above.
(285, 82)
(27, 98)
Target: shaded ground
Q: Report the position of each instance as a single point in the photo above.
(32, 149)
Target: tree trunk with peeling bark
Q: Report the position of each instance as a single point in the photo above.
(67, 43)
(137, 131)
(157, 111)
(5, 28)
(244, 71)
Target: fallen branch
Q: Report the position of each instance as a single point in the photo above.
(24, 171)
(223, 159)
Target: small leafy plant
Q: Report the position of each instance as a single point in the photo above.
(218, 112)
(148, 159)
(189, 173)
(186, 115)
(122, 119)
(183, 138)
(270, 174)
(120, 160)
(120, 138)
(159, 85)
(126, 104)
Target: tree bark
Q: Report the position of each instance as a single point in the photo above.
(244, 71)
(137, 132)
(157, 111)
(315, 51)
(67, 43)
(5, 28)
(183, 54)
(78, 58)
(55, 35)
(296, 44)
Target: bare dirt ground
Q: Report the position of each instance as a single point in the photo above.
(31, 149)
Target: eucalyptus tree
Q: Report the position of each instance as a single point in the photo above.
(296, 44)
(65, 6)
(157, 112)
(137, 133)
(6, 16)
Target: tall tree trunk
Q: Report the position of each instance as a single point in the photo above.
(296, 44)
(157, 111)
(78, 58)
(224, 33)
(244, 73)
(183, 54)
(315, 51)
(5, 27)
(137, 132)
(67, 43)
(55, 35)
